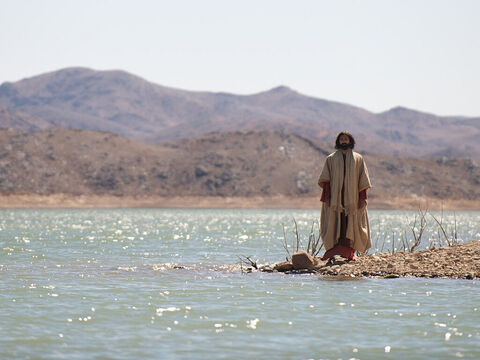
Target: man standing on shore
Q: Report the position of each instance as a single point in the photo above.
(344, 220)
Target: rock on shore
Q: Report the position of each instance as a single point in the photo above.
(460, 261)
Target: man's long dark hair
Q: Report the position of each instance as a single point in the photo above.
(337, 141)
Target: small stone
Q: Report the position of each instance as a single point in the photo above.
(201, 170)
(266, 268)
(284, 266)
(303, 260)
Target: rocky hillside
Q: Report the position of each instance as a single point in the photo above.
(235, 164)
(124, 104)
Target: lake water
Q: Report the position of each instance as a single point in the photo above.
(165, 284)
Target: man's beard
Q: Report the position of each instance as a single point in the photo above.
(344, 146)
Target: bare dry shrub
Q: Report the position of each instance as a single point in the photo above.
(314, 244)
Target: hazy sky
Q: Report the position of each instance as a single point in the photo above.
(421, 54)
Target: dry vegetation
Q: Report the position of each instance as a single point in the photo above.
(444, 256)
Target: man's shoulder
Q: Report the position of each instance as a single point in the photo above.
(357, 155)
(358, 158)
(333, 154)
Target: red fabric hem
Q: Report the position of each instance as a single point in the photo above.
(342, 250)
(363, 195)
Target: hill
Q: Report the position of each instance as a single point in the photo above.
(126, 105)
(240, 164)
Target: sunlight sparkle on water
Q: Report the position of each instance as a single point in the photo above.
(143, 274)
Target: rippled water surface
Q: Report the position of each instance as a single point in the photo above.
(145, 283)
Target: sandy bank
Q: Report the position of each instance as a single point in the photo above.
(199, 202)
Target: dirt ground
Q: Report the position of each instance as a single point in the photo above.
(455, 262)
(272, 202)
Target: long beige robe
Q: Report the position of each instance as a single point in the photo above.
(356, 180)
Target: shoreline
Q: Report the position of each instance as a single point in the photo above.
(67, 201)
(461, 261)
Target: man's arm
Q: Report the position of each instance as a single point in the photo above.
(362, 198)
(324, 183)
(325, 193)
(364, 178)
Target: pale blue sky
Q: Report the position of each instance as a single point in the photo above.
(421, 54)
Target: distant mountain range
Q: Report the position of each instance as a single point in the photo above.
(124, 104)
